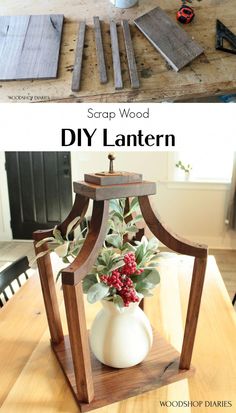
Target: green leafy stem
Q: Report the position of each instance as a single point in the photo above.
(122, 227)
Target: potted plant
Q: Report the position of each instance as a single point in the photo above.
(124, 273)
(186, 168)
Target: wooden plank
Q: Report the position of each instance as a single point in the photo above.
(78, 58)
(30, 46)
(115, 56)
(48, 289)
(100, 51)
(82, 371)
(99, 193)
(193, 311)
(112, 385)
(168, 38)
(133, 72)
(105, 179)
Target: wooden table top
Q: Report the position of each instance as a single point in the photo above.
(31, 379)
(213, 73)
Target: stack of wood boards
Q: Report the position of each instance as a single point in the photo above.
(30, 46)
(168, 38)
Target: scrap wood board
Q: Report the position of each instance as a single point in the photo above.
(30, 46)
(174, 44)
(78, 58)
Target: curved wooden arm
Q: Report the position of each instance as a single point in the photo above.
(45, 268)
(166, 236)
(77, 270)
(79, 208)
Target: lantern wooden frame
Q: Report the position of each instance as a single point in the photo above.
(93, 384)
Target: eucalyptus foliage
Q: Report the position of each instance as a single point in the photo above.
(122, 227)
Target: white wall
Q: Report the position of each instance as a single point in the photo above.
(193, 210)
(5, 229)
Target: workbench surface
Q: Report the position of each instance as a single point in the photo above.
(213, 73)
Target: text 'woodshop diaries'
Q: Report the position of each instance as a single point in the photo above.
(85, 138)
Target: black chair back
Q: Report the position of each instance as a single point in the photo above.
(12, 273)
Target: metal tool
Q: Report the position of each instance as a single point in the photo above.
(222, 32)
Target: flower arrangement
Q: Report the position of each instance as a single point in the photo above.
(124, 271)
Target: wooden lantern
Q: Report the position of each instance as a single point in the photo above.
(93, 384)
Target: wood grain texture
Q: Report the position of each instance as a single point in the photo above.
(166, 235)
(113, 179)
(168, 38)
(49, 291)
(212, 74)
(133, 72)
(82, 264)
(26, 337)
(27, 361)
(98, 192)
(81, 366)
(30, 46)
(193, 311)
(75, 87)
(115, 56)
(112, 385)
(100, 51)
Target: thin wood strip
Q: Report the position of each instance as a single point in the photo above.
(75, 87)
(74, 303)
(115, 56)
(100, 51)
(49, 291)
(198, 276)
(133, 72)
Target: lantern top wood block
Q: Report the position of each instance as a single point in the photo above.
(112, 184)
(93, 384)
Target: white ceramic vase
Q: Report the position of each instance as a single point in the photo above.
(124, 4)
(121, 338)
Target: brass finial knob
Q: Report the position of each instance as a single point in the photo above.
(111, 158)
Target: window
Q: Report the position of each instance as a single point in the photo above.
(204, 167)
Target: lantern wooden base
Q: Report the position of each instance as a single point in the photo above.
(160, 368)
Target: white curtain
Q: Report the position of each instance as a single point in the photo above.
(231, 214)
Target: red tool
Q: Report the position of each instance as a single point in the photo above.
(185, 14)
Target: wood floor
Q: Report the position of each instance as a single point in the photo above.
(226, 260)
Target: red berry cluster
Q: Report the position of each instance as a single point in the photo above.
(130, 264)
(121, 281)
(128, 292)
(113, 280)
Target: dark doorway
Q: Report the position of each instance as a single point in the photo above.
(40, 192)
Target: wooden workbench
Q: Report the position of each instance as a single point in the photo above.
(213, 73)
(31, 379)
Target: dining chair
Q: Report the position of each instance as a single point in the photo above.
(9, 275)
(234, 299)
